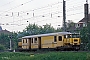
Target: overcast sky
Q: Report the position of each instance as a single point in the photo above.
(14, 14)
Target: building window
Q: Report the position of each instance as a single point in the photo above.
(55, 39)
(84, 24)
(78, 25)
(35, 40)
(60, 38)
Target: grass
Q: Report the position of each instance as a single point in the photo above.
(46, 56)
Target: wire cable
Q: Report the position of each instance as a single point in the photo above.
(7, 3)
(17, 6)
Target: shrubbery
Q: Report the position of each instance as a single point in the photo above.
(2, 47)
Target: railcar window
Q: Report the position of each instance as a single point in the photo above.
(64, 36)
(26, 40)
(55, 39)
(32, 40)
(60, 38)
(35, 40)
(23, 40)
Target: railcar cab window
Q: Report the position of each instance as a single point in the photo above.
(67, 36)
(60, 38)
(75, 35)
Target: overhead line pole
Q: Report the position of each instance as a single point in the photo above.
(64, 15)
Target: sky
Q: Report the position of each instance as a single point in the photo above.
(15, 15)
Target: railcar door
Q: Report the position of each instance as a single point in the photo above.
(39, 42)
(60, 41)
(29, 43)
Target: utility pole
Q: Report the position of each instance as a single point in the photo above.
(64, 15)
(10, 42)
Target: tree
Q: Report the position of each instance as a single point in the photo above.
(85, 37)
(70, 26)
(33, 29)
(14, 39)
(58, 30)
(4, 40)
(48, 29)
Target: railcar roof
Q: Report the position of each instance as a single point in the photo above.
(48, 34)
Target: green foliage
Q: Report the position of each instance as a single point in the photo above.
(46, 56)
(70, 24)
(48, 29)
(58, 30)
(5, 40)
(33, 29)
(14, 39)
(85, 37)
(2, 47)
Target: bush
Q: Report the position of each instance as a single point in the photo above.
(2, 47)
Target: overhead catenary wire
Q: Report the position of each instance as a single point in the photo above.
(52, 4)
(41, 7)
(75, 14)
(30, 10)
(72, 10)
(7, 3)
(41, 20)
(75, 8)
(35, 22)
(39, 16)
(49, 5)
(36, 18)
(19, 25)
(17, 6)
(43, 15)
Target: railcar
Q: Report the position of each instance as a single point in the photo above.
(53, 41)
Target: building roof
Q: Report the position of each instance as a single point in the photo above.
(5, 32)
(0, 28)
(84, 19)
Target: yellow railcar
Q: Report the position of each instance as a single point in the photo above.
(59, 41)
